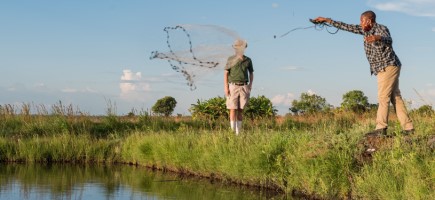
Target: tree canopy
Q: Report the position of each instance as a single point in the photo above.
(164, 106)
(355, 101)
(309, 104)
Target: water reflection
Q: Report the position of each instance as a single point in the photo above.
(67, 181)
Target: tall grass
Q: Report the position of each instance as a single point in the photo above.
(314, 155)
(59, 148)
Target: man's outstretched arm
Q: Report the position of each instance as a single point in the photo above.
(341, 25)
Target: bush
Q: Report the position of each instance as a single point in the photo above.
(260, 107)
(213, 108)
(425, 110)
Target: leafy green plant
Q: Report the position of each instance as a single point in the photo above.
(309, 104)
(213, 108)
(260, 107)
(355, 101)
(425, 110)
(164, 106)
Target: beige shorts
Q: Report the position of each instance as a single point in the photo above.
(239, 96)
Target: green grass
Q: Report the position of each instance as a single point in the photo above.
(314, 155)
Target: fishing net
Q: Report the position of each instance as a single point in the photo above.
(196, 51)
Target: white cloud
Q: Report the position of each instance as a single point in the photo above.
(132, 85)
(90, 90)
(275, 5)
(40, 85)
(282, 99)
(292, 68)
(69, 90)
(310, 92)
(73, 90)
(433, 29)
(424, 8)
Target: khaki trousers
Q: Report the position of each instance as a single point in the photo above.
(388, 90)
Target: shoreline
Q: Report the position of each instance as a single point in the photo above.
(312, 159)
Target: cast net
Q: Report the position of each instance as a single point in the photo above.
(196, 51)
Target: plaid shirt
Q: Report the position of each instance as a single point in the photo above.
(380, 54)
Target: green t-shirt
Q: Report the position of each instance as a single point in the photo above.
(238, 70)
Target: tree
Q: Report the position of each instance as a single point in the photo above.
(164, 106)
(355, 101)
(309, 104)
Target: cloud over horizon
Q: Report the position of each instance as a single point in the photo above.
(421, 8)
(132, 85)
(283, 100)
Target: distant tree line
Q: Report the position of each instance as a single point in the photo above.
(261, 107)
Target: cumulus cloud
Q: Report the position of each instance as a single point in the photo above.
(310, 92)
(132, 85)
(284, 100)
(423, 8)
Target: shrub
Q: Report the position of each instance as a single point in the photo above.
(213, 108)
(260, 107)
(425, 110)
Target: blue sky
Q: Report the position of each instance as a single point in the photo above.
(94, 53)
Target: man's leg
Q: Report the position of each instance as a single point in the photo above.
(244, 98)
(232, 105)
(399, 107)
(386, 83)
(239, 120)
(233, 119)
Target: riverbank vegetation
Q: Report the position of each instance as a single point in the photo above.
(318, 155)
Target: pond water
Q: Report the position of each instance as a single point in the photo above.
(68, 181)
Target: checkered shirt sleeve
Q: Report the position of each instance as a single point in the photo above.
(380, 54)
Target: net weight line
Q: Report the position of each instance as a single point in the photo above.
(173, 57)
(316, 26)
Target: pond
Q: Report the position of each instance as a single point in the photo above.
(70, 181)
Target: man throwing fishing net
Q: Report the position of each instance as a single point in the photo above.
(238, 77)
(384, 64)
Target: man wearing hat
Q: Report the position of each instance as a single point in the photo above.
(238, 77)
